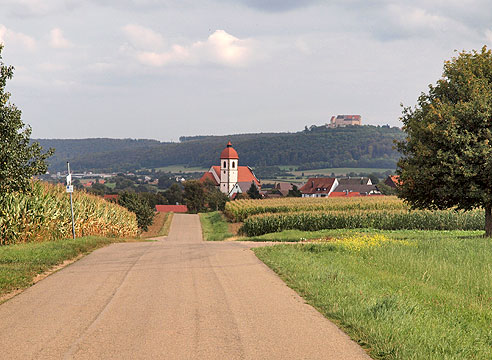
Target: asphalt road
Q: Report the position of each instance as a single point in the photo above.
(176, 298)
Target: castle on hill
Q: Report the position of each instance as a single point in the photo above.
(229, 177)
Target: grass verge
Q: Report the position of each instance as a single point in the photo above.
(403, 294)
(160, 226)
(214, 226)
(20, 263)
(298, 235)
(166, 226)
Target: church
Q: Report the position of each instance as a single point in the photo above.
(229, 177)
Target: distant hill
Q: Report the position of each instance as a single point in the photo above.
(70, 149)
(353, 146)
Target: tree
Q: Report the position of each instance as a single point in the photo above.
(294, 192)
(253, 191)
(19, 160)
(194, 194)
(174, 194)
(145, 213)
(447, 154)
(215, 199)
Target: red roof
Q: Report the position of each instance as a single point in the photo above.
(396, 179)
(318, 185)
(171, 208)
(244, 174)
(344, 194)
(111, 197)
(229, 152)
(209, 176)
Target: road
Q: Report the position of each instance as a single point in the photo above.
(176, 298)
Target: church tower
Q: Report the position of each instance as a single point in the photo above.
(228, 169)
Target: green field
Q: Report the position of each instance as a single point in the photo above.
(300, 178)
(339, 171)
(400, 294)
(181, 169)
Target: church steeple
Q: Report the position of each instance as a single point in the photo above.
(228, 168)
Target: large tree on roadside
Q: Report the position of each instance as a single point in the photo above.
(447, 154)
(19, 160)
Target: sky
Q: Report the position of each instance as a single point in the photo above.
(161, 69)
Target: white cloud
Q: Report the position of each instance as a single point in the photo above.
(58, 41)
(142, 37)
(219, 48)
(13, 38)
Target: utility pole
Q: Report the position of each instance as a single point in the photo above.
(70, 191)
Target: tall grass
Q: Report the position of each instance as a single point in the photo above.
(376, 219)
(45, 215)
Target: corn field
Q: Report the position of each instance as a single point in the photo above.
(241, 209)
(377, 219)
(45, 215)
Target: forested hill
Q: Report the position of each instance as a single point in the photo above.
(354, 146)
(70, 149)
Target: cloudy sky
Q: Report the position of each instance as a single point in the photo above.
(165, 68)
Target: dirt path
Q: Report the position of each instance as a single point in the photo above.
(178, 298)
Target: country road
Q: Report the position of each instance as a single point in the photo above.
(176, 298)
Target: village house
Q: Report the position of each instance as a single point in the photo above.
(319, 187)
(332, 187)
(358, 186)
(229, 177)
(392, 181)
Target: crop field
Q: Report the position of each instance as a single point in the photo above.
(312, 214)
(241, 209)
(44, 215)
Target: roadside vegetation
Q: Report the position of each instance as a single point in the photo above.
(160, 226)
(214, 226)
(401, 294)
(43, 214)
(20, 263)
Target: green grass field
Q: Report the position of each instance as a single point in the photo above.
(400, 294)
(214, 226)
(181, 169)
(20, 263)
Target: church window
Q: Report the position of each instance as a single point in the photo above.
(225, 164)
(233, 164)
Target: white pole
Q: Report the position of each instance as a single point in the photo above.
(71, 204)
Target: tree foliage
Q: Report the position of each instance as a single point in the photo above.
(194, 194)
(19, 160)
(215, 199)
(253, 191)
(145, 213)
(447, 154)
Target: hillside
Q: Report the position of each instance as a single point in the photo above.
(354, 146)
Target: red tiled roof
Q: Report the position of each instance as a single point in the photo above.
(229, 152)
(111, 197)
(244, 174)
(324, 185)
(171, 208)
(395, 179)
(209, 176)
(344, 194)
